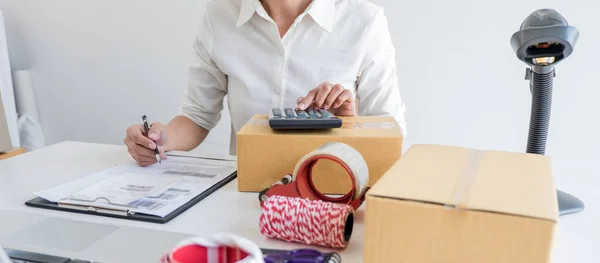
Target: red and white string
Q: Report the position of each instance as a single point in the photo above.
(305, 221)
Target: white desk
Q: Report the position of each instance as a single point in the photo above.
(225, 211)
(577, 236)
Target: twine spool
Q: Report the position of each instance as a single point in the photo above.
(310, 222)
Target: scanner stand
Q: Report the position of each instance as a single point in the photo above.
(568, 204)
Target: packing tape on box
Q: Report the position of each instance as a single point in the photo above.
(300, 183)
(376, 125)
(464, 183)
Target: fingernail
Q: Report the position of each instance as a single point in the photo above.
(153, 136)
(151, 146)
(301, 106)
(326, 106)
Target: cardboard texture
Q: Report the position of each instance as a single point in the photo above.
(264, 155)
(5, 142)
(453, 204)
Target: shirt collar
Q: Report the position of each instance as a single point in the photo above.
(322, 11)
(247, 9)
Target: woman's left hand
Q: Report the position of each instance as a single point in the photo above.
(332, 97)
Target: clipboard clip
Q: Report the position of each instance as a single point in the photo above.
(95, 207)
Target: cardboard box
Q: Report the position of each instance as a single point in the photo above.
(264, 155)
(451, 204)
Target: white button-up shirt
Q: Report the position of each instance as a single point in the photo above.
(239, 53)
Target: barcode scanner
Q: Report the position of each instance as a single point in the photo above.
(544, 39)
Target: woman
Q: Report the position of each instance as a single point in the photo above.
(268, 54)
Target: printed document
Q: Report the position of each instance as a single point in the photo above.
(154, 190)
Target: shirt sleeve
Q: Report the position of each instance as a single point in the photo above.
(377, 91)
(207, 86)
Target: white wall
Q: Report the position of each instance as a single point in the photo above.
(104, 62)
(108, 61)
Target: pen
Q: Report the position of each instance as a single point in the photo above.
(147, 128)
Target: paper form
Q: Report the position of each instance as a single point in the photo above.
(124, 188)
(156, 190)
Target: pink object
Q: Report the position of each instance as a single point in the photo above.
(312, 222)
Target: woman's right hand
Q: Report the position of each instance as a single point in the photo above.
(141, 146)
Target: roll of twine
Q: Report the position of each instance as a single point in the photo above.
(310, 222)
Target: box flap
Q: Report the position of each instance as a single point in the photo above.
(368, 126)
(495, 181)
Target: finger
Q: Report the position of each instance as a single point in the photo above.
(139, 159)
(144, 159)
(308, 100)
(127, 141)
(132, 153)
(136, 134)
(139, 150)
(145, 152)
(155, 131)
(146, 163)
(161, 153)
(346, 96)
(324, 91)
(336, 90)
(130, 145)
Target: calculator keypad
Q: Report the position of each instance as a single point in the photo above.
(289, 112)
(293, 118)
(324, 113)
(294, 113)
(277, 112)
(301, 113)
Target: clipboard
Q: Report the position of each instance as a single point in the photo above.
(123, 212)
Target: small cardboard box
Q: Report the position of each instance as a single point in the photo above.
(451, 204)
(264, 155)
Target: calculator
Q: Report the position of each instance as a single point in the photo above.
(296, 119)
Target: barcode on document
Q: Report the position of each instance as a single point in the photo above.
(195, 174)
(150, 205)
(171, 194)
(165, 196)
(178, 190)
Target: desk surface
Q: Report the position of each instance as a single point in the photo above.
(227, 210)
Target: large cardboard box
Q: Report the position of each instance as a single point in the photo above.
(451, 204)
(264, 155)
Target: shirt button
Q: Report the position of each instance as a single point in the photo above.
(280, 51)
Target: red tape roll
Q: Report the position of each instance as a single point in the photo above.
(306, 187)
(303, 185)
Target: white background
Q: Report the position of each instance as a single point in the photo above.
(99, 65)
